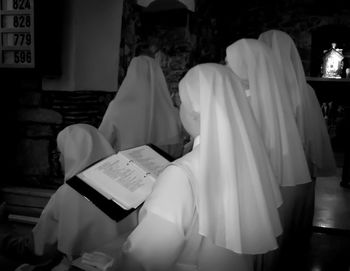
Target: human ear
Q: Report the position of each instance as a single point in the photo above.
(190, 120)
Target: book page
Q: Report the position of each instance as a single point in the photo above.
(147, 158)
(120, 180)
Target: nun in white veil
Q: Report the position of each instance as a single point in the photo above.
(306, 108)
(69, 222)
(215, 207)
(254, 63)
(142, 111)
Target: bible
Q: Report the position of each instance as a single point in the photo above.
(121, 182)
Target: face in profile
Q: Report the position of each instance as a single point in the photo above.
(190, 120)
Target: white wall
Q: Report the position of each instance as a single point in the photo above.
(91, 40)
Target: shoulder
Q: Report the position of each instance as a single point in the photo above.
(189, 163)
(173, 187)
(172, 198)
(172, 179)
(189, 158)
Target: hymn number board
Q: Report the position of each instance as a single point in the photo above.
(17, 34)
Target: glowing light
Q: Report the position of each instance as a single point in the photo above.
(332, 63)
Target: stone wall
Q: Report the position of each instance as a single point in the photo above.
(175, 43)
(212, 28)
(40, 115)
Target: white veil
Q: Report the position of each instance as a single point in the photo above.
(142, 111)
(253, 61)
(81, 145)
(236, 192)
(305, 105)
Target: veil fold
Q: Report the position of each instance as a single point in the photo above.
(236, 192)
(253, 61)
(306, 108)
(142, 111)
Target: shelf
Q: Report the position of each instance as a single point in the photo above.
(321, 79)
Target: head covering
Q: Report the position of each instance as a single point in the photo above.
(70, 222)
(142, 111)
(253, 61)
(236, 194)
(81, 145)
(305, 105)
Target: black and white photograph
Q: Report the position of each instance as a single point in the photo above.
(175, 135)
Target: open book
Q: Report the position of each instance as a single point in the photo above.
(125, 178)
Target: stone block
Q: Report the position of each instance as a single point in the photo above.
(35, 130)
(39, 115)
(32, 157)
(30, 99)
